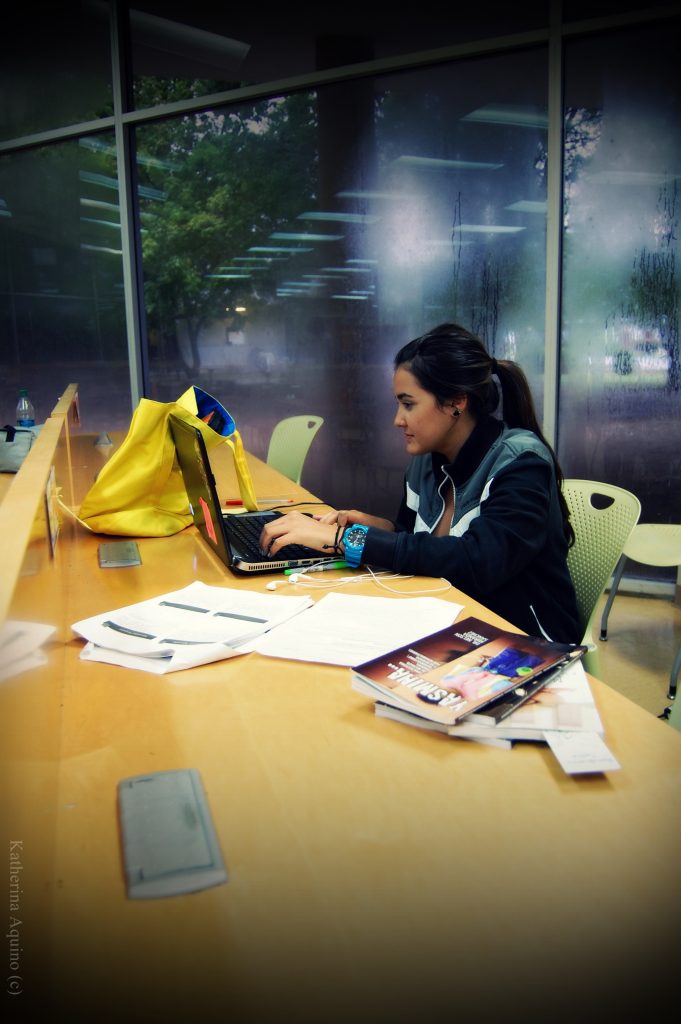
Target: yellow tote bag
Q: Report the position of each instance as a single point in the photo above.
(139, 492)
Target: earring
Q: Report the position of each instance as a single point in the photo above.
(457, 412)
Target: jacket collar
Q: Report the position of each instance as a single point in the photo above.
(485, 433)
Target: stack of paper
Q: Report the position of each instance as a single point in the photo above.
(193, 626)
(21, 646)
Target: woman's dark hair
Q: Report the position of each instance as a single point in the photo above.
(449, 362)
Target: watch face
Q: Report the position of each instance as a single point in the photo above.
(353, 544)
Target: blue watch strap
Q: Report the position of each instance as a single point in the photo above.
(353, 544)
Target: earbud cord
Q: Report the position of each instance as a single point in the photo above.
(377, 578)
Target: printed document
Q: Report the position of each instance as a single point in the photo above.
(193, 626)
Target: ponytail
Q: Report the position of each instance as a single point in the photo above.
(519, 411)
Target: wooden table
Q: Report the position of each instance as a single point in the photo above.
(377, 873)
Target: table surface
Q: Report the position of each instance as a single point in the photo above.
(376, 872)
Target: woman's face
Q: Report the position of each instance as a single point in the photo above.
(427, 426)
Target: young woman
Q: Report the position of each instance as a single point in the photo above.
(482, 507)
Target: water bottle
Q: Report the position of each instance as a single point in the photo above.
(25, 410)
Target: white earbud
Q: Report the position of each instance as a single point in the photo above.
(279, 583)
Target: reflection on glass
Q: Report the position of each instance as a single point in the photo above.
(55, 66)
(61, 289)
(620, 403)
(181, 51)
(291, 246)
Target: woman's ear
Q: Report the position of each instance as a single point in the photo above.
(456, 406)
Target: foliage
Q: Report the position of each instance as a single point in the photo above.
(217, 183)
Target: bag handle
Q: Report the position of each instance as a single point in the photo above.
(218, 422)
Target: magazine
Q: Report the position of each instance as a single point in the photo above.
(455, 671)
(564, 705)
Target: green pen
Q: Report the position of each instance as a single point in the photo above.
(317, 567)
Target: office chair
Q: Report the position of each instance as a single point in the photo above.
(650, 544)
(290, 443)
(601, 531)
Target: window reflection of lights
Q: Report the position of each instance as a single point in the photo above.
(99, 204)
(241, 270)
(278, 248)
(345, 218)
(528, 206)
(508, 114)
(490, 229)
(436, 163)
(99, 179)
(104, 181)
(257, 259)
(101, 248)
(303, 236)
(96, 145)
(347, 270)
(230, 277)
(351, 298)
(377, 195)
(369, 262)
(105, 223)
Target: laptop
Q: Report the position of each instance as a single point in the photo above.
(232, 536)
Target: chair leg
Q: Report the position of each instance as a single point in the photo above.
(617, 576)
(674, 675)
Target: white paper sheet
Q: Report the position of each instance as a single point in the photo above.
(193, 626)
(580, 752)
(344, 629)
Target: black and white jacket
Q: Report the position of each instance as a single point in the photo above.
(506, 548)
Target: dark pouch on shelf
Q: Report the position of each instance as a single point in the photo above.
(15, 444)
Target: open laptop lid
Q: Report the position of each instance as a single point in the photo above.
(212, 523)
(199, 483)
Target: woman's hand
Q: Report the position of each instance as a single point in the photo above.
(297, 528)
(350, 516)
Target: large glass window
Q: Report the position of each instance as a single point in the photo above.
(61, 287)
(620, 400)
(292, 246)
(55, 66)
(182, 51)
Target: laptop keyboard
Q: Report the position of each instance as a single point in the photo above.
(247, 529)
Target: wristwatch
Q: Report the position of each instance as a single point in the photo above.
(353, 544)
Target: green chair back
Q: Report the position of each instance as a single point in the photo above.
(290, 443)
(602, 517)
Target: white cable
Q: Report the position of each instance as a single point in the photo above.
(301, 577)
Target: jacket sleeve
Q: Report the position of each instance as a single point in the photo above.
(498, 544)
